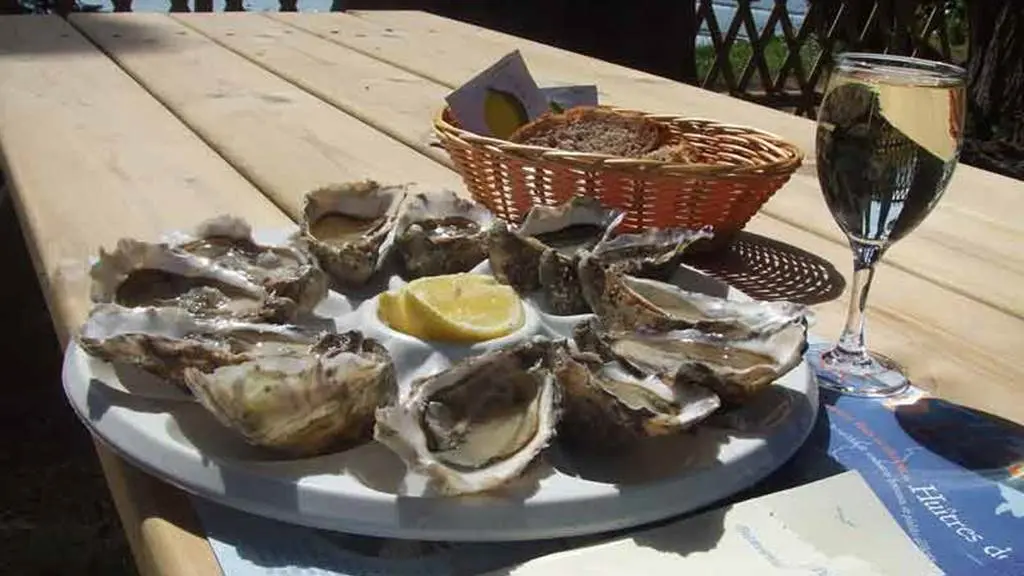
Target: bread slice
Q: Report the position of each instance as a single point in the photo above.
(595, 130)
(679, 153)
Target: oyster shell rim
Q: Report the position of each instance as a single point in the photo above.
(626, 424)
(353, 264)
(471, 246)
(399, 425)
(542, 267)
(319, 368)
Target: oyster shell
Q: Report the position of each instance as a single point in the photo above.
(608, 404)
(478, 424)
(626, 301)
(301, 400)
(284, 271)
(441, 233)
(166, 341)
(542, 253)
(350, 228)
(653, 253)
(218, 271)
(735, 368)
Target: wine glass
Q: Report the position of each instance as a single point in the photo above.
(889, 134)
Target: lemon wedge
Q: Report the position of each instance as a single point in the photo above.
(454, 307)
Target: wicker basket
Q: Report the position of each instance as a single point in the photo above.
(740, 169)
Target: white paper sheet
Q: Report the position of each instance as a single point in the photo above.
(834, 527)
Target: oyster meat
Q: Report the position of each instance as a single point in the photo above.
(350, 228)
(478, 424)
(219, 271)
(301, 400)
(608, 404)
(735, 368)
(626, 301)
(441, 233)
(542, 253)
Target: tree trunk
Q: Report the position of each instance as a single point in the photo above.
(995, 88)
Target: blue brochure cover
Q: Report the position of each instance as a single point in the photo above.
(952, 477)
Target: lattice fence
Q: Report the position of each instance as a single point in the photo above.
(910, 27)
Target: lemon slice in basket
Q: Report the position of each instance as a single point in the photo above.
(453, 307)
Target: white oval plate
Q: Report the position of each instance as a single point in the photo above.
(367, 490)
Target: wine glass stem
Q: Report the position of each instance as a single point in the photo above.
(851, 342)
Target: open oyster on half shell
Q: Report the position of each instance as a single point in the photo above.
(627, 301)
(608, 403)
(350, 228)
(479, 423)
(218, 271)
(301, 399)
(441, 233)
(542, 253)
(733, 367)
(164, 341)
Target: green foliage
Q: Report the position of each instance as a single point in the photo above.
(775, 54)
(956, 21)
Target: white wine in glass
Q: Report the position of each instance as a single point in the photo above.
(889, 134)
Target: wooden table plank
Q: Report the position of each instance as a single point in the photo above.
(91, 157)
(896, 322)
(282, 138)
(989, 231)
(162, 528)
(71, 119)
(363, 87)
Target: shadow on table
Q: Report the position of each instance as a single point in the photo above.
(978, 441)
(52, 36)
(768, 269)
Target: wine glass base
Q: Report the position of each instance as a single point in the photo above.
(879, 377)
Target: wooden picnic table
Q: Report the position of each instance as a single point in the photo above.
(136, 124)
